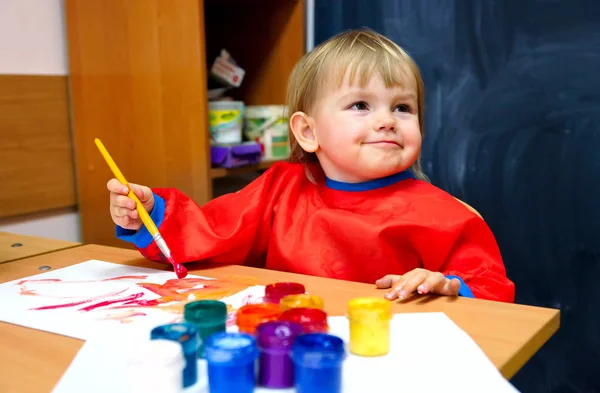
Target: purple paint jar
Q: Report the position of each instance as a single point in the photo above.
(275, 339)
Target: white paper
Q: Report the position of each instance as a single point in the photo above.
(89, 285)
(428, 353)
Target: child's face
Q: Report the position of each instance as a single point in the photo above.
(367, 133)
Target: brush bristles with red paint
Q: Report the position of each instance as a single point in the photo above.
(180, 270)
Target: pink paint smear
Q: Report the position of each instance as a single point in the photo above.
(172, 294)
(56, 280)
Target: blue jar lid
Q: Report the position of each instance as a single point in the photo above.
(184, 333)
(181, 332)
(231, 348)
(318, 350)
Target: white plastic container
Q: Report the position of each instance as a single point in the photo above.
(225, 121)
(268, 125)
(155, 366)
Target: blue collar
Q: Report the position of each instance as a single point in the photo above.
(370, 184)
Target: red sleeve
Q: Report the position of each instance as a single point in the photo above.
(469, 251)
(234, 228)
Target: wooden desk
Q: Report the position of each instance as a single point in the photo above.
(509, 334)
(14, 246)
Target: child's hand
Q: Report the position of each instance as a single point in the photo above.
(122, 208)
(421, 280)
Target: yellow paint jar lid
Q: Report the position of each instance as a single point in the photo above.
(369, 308)
(303, 300)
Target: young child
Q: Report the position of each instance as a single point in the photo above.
(352, 202)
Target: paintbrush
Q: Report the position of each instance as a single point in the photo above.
(180, 270)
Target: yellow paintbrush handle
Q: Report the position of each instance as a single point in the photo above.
(145, 217)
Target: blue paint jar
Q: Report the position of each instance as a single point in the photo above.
(187, 335)
(231, 359)
(318, 359)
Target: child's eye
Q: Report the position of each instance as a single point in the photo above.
(359, 106)
(403, 108)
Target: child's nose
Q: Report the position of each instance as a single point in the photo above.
(385, 122)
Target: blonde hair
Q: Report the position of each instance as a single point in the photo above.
(362, 53)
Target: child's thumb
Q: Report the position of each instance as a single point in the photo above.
(387, 281)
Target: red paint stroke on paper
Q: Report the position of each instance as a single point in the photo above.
(123, 316)
(140, 303)
(40, 280)
(173, 294)
(55, 280)
(179, 289)
(138, 277)
(112, 301)
(79, 303)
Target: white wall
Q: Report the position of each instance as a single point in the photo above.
(32, 42)
(62, 224)
(32, 37)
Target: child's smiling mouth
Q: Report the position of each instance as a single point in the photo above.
(384, 144)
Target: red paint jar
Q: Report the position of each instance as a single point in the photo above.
(274, 292)
(248, 317)
(312, 320)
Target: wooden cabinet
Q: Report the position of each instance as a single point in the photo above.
(138, 81)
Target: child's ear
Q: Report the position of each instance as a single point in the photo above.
(302, 127)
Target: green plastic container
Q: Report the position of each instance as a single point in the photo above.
(268, 125)
(209, 316)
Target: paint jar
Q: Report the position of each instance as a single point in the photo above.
(275, 340)
(302, 300)
(369, 319)
(248, 317)
(231, 359)
(209, 316)
(274, 292)
(268, 125)
(318, 359)
(186, 335)
(225, 120)
(164, 358)
(312, 320)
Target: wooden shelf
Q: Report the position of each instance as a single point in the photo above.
(216, 173)
(138, 81)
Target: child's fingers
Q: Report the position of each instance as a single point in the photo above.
(120, 212)
(122, 208)
(434, 283)
(143, 193)
(126, 223)
(387, 281)
(116, 186)
(412, 283)
(448, 287)
(123, 222)
(407, 284)
(122, 201)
